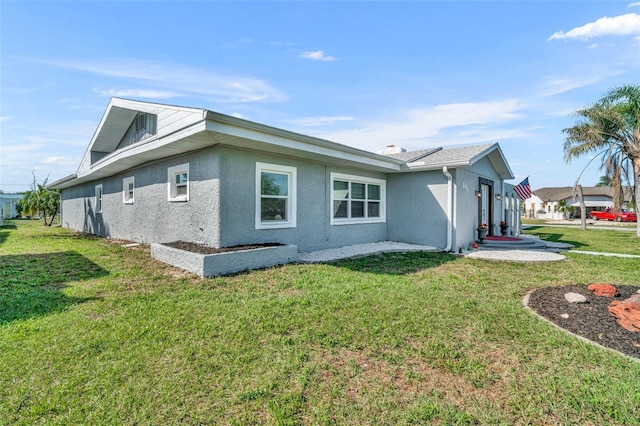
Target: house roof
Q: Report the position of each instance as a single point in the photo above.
(413, 155)
(566, 192)
(460, 157)
(183, 129)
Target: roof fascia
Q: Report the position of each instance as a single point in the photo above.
(63, 183)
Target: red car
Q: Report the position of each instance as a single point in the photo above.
(621, 216)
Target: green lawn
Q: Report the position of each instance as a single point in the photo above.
(93, 333)
(592, 239)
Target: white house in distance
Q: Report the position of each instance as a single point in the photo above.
(155, 173)
(544, 201)
(8, 203)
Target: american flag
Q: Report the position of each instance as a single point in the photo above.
(523, 189)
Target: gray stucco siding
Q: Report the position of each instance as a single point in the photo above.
(151, 218)
(416, 210)
(313, 230)
(220, 212)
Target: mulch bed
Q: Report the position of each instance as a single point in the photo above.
(202, 249)
(591, 320)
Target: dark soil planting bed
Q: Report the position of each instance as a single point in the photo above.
(200, 248)
(590, 319)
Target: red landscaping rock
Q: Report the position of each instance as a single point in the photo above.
(603, 290)
(627, 312)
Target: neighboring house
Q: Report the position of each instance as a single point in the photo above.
(544, 202)
(8, 203)
(162, 173)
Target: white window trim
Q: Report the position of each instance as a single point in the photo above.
(359, 179)
(99, 199)
(125, 190)
(171, 186)
(292, 200)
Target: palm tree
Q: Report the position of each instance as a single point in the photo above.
(611, 129)
(564, 208)
(42, 200)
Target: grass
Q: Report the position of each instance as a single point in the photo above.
(591, 239)
(94, 333)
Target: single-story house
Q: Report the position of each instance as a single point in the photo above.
(543, 202)
(8, 203)
(155, 173)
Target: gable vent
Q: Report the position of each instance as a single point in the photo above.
(143, 126)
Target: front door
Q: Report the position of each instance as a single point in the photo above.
(485, 191)
(485, 204)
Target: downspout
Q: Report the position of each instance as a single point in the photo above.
(445, 171)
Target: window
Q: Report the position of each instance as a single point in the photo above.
(98, 198)
(357, 199)
(128, 185)
(275, 196)
(178, 178)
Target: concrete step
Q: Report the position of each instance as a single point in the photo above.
(513, 244)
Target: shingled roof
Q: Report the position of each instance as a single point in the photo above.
(411, 156)
(435, 158)
(565, 192)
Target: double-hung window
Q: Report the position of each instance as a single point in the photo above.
(275, 196)
(357, 199)
(98, 198)
(178, 180)
(128, 186)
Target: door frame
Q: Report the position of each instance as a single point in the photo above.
(486, 200)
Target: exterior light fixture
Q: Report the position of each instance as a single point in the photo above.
(498, 196)
(478, 194)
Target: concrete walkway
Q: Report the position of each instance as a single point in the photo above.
(499, 254)
(597, 253)
(359, 250)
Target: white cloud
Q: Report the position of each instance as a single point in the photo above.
(4, 118)
(321, 121)
(138, 93)
(636, 4)
(557, 85)
(628, 24)
(317, 55)
(61, 161)
(166, 78)
(450, 124)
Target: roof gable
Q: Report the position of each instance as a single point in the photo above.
(118, 120)
(458, 157)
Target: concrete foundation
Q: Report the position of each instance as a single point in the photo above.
(211, 265)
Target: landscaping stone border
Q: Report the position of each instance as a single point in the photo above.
(211, 265)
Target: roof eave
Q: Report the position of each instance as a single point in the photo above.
(65, 182)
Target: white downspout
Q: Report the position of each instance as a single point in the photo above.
(445, 171)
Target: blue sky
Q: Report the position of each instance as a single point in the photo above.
(366, 74)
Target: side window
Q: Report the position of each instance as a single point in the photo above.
(275, 196)
(98, 198)
(178, 182)
(357, 199)
(128, 187)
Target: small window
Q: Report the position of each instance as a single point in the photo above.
(275, 196)
(128, 187)
(179, 182)
(98, 198)
(357, 199)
